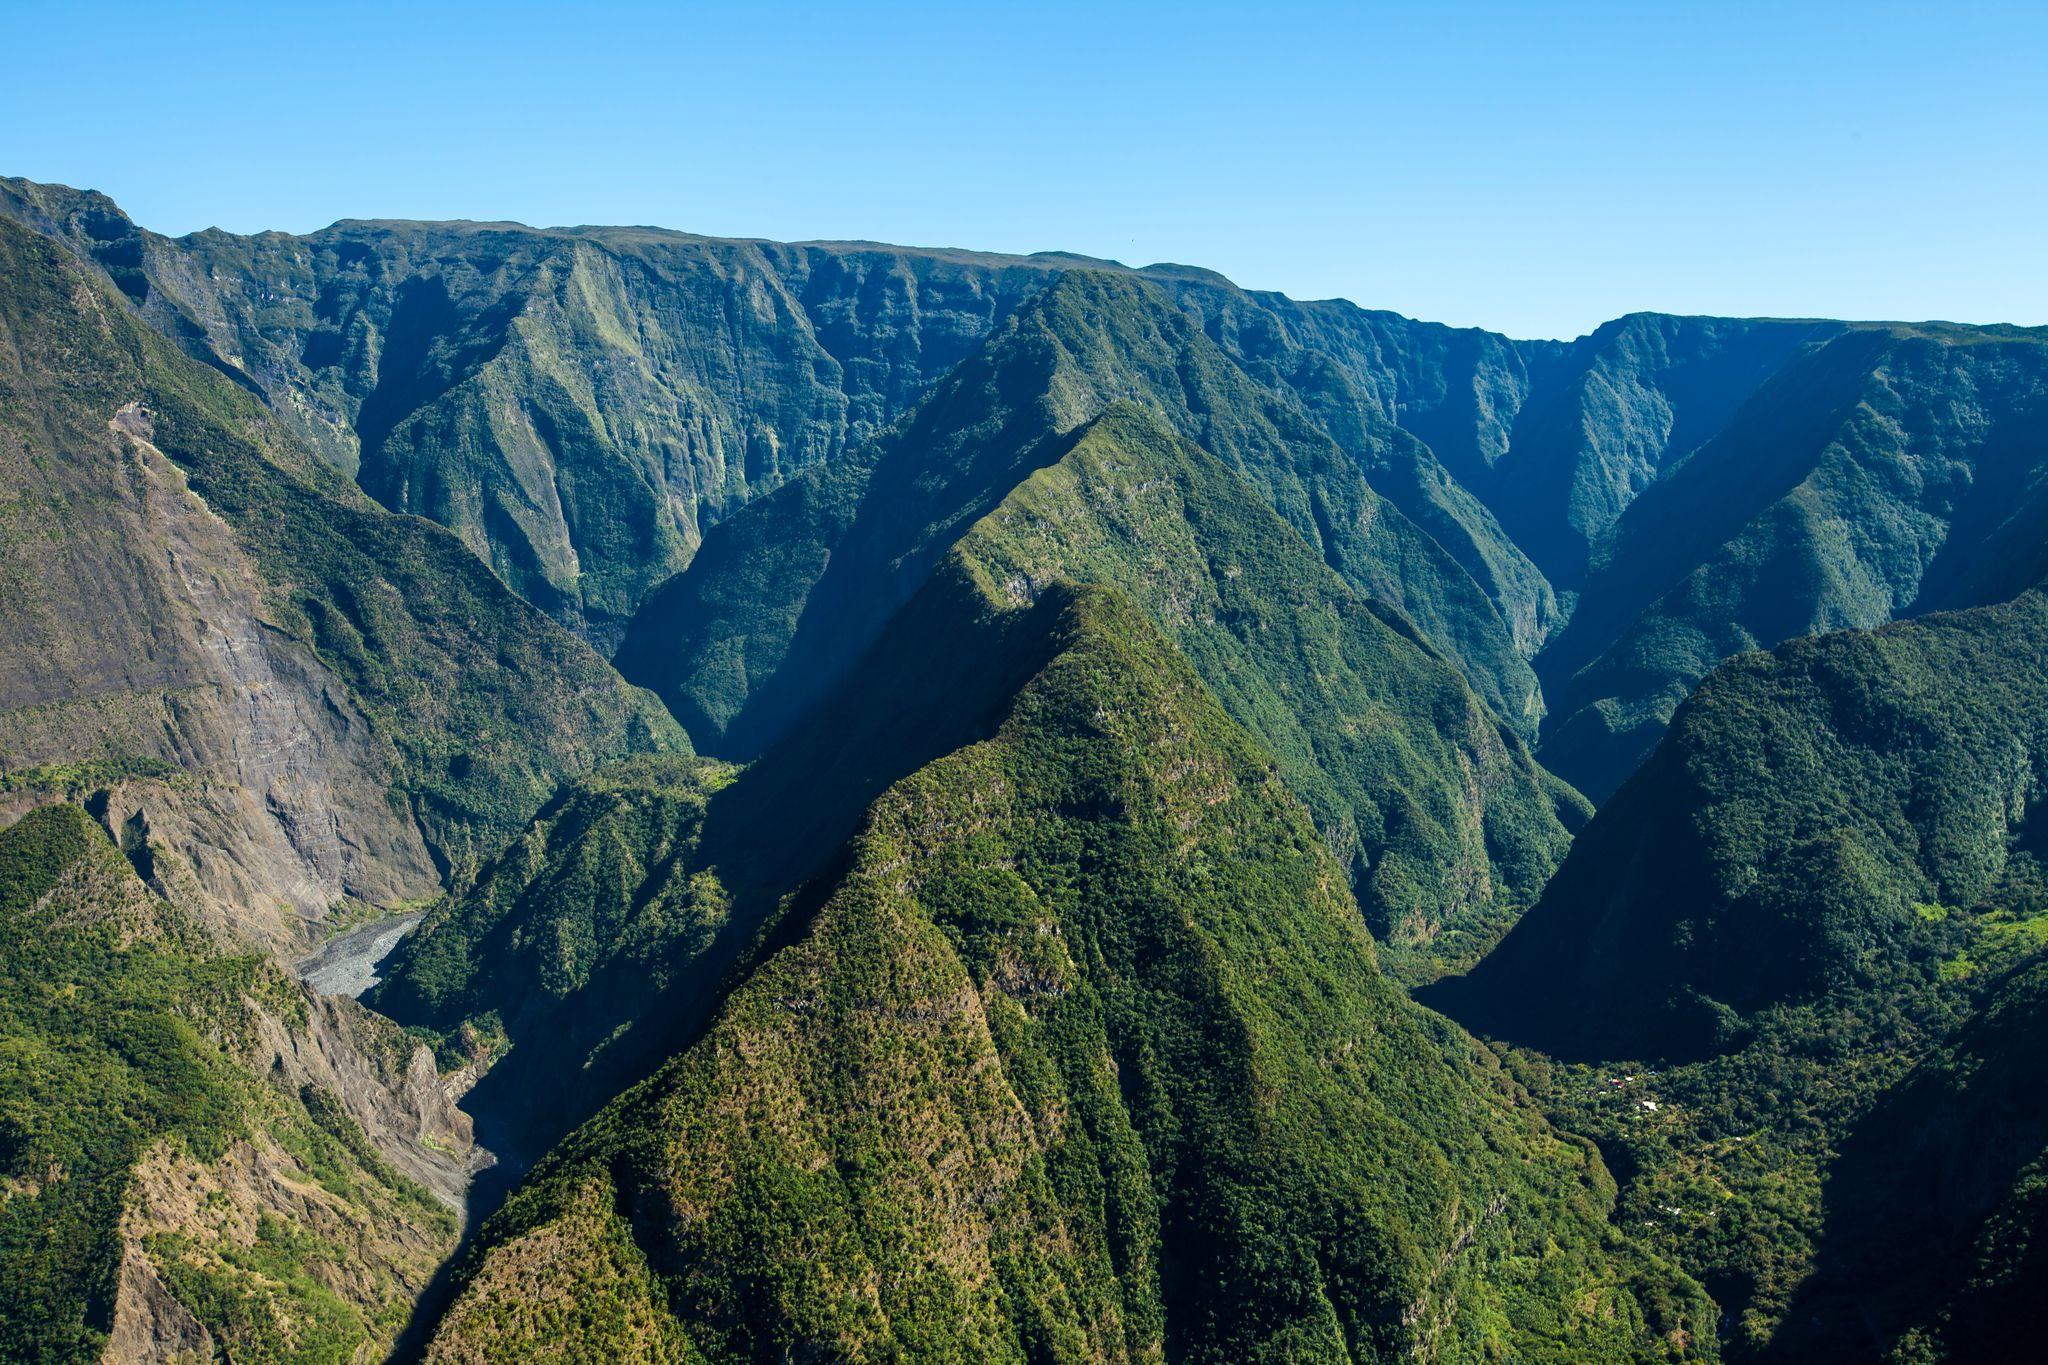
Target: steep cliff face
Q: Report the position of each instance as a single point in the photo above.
(634, 888)
(283, 694)
(205, 725)
(577, 405)
(1615, 411)
(275, 696)
(786, 595)
(1533, 449)
(1262, 557)
(1424, 410)
(581, 405)
(1447, 826)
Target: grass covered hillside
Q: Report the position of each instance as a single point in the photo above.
(1832, 861)
(1449, 829)
(1079, 1052)
(356, 702)
(155, 1195)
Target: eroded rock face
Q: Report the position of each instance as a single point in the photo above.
(184, 1215)
(150, 1325)
(192, 1220)
(389, 1085)
(191, 663)
(578, 405)
(272, 807)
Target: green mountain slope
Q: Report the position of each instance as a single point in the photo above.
(1834, 854)
(595, 945)
(1932, 1248)
(1687, 487)
(581, 405)
(786, 596)
(1616, 411)
(1134, 677)
(601, 876)
(1888, 473)
(1550, 440)
(1079, 1052)
(355, 704)
(580, 951)
(1447, 825)
(156, 1196)
(627, 897)
(1357, 374)
(1803, 803)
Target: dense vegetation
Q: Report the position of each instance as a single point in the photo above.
(597, 945)
(1806, 807)
(787, 593)
(577, 405)
(582, 405)
(1447, 826)
(121, 1039)
(1888, 473)
(600, 876)
(1134, 678)
(1833, 856)
(579, 928)
(1933, 1239)
(1082, 1053)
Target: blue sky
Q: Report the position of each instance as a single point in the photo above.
(1534, 168)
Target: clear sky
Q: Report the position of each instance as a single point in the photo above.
(1532, 167)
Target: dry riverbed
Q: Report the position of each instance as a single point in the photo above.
(347, 963)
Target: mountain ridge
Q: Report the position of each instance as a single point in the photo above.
(1125, 708)
(1504, 455)
(912, 970)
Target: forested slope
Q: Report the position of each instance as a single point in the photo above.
(1080, 1052)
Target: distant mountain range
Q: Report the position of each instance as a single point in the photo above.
(926, 780)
